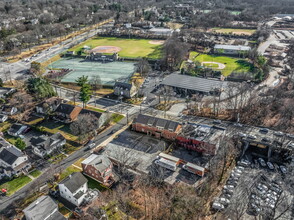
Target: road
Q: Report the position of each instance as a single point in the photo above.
(18, 69)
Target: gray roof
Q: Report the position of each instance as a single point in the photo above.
(193, 83)
(9, 154)
(160, 122)
(43, 207)
(100, 162)
(47, 142)
(231, 47)
(123, 85)
(74, 181)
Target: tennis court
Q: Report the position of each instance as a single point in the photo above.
(108, 72)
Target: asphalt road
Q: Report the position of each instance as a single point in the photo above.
(5, 202)
(19, 68)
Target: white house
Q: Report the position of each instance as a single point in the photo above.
(44, 208)
(74, 188)
(12, 160)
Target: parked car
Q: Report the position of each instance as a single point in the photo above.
(283, 169)
(3, 118)
(218, 206)
(238, 125)
(251, 136)
(242, 135)
(270, 165)
(223, 200)
(263, 130)
(217, 122)
(229, 187)
(278, 133)
(262, 162)
(244, 162)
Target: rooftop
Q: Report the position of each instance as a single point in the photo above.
(231, 47)
(42, 208)
(74, 181)
(100, 162)
(157, 122)
(193, 83)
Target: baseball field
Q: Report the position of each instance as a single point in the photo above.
(126, 48)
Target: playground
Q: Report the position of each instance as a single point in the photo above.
(108, 72)
(126, 48)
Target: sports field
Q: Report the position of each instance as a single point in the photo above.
(234, 31)
(226, 65)
(129, 48)
(108, 72)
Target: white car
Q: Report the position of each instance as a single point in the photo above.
(224, 201)
(283, 169)
(3, 117)
(230, 187)
(218, 206)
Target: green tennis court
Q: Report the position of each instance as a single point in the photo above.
(108, 72)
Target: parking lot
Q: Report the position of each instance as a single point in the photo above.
(255, 188)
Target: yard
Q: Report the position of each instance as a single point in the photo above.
(130, 48)
(35, 173)
(14, 185)
(230, 64)
(234, 31)
(54, 127)
(92, 184)
(65, 173)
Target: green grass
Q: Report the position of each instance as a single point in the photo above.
(68, 171)
(35, 173)
(10, 139)
(232, 64)
(54, 127)
(130, 48)
(93, 184)
(5, 126)
(14, 185)
(235, 12)
(95, 109)
(234, 31)
(115, 118)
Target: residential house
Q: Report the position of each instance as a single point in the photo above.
(67, 113)
(99, 115)
(126, 90)
(44, 208)
(74, 188)
(99, 168)
(8, 110)
(12, 160)
(45, 145)
(16, 130)
(48, 106)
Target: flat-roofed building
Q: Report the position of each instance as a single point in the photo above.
(231, 49)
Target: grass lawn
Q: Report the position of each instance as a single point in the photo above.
(234, 31)
(92, 184)
(63, 210)
(35, 173)
(130, 48)
(78, 162)
(10, 138)
(4, 126)
(65, 173)
(115, 118)
(13, 185)
(95, 109)
(54, 127)
(232, 64)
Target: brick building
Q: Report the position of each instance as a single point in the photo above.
(200, 138)
(99, 168)
(157, 127)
